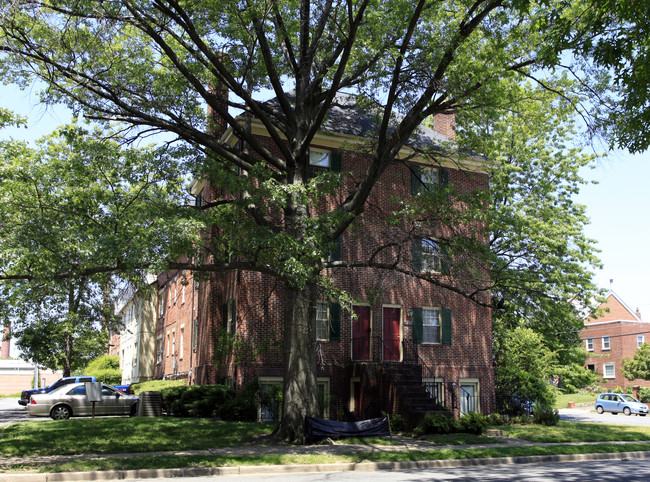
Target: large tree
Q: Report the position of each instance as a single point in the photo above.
(74, 209)
(157, 64)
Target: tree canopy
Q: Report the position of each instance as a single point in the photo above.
(154, 66)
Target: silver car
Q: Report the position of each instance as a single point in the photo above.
(620, 403)
(71, 400)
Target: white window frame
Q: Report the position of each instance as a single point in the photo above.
(609, 366)
(322, 320)
(475, 404)
(434, 329)
(168, 341)
(161, 303)
(589, 342)
(640, 340)
(159, 350)
(429, 176)
(320, 159)
(430, 255)
(606, 343)
(180, 349)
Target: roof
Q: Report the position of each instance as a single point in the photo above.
(345, 117)
(618, 311)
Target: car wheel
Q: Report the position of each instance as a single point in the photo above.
(599, 409)
(627, 411)
(61, 412)
(134, 410)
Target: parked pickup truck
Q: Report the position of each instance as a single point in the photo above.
(26, 395)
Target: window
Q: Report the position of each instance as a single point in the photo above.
(427, 178)
(605, 343)
(432, 325)
(590, 344)
(159, 348)
(161, 303)
(230, 316)
(323, 161)
(639, 340)
(195, 333)
(469, 395)
(435, 389)
(328, 321)
(428, 255)
(180, 349)
(183, 292)
(591, 368)
(608, 371)
(168, 339)
(173, 342)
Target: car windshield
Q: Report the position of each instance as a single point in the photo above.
(629, 398)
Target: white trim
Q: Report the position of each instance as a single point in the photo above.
(605, 365)
(609, 343)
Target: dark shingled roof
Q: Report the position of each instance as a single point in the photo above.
(346, 118)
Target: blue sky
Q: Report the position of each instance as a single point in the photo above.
(618, 206)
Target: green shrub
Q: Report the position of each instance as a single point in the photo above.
(242, 407)
(497, 419)
(435, 423)
(545, 415)
(397, 423)
(473, 423)
(644, 395)
(156, 385)
(105, 368)
(196, 400)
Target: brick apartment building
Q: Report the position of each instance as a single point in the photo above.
(408, 339)
(615, 334)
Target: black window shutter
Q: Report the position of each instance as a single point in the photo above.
(335, 321)
(446, 326)
(335, 161)
(417, 254)
(416, 179)
(417, 325)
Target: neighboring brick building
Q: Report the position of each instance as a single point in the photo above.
(614, 334)
(406, 335)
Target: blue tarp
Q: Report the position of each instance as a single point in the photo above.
(319, 427)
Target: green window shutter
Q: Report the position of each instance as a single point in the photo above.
(233, 315)
(445, 314)
(336, 160)
(416, 180)
(335, 250)
(443, 177)
(335, 321)
(445, 258)
(417, 325)
(417, 254)
(224, 316)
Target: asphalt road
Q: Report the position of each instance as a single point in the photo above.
(587, 414)
(11, 412)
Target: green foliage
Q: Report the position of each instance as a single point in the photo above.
(434, 423)
(196, 400)
(523, 366)
(639, 365)
(106, 369)
(156, 385)
(474, 423)
(243, 406)
(545, 414)
(644, 395)
(397, 423)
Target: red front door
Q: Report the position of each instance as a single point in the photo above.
(392, 318)
(361, 333)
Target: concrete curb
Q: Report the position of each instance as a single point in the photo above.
(343, 467)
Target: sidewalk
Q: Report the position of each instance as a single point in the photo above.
(403, 444)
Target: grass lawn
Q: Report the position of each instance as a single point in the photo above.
(580, 397)
(138, 435)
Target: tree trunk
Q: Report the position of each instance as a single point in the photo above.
(67, 355)
(300, 391)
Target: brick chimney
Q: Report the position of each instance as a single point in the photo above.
(217, 124)
(638, 314)
(445, 124)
